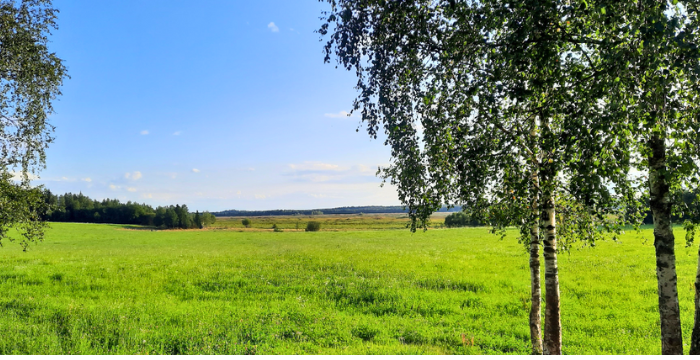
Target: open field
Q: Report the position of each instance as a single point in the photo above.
(328, 222)
(99, 289)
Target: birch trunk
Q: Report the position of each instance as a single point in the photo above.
(552, 313)
(695, 338)
(547, 178)
(664, 243)
(535, 290)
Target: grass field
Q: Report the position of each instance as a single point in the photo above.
(102, 289)
(328, 222)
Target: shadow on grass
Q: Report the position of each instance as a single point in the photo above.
(141, 227)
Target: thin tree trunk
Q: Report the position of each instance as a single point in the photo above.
(552, 313)
(664, 243)
(695, 338)
(536, 299)
(547, 177)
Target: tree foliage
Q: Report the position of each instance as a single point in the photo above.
(313, 226)
(461, 91)
(30, 79)
(460, 219)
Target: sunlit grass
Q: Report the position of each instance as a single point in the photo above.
(328, 222)
(100, 289)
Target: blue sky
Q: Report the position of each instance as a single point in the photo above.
(215, 104)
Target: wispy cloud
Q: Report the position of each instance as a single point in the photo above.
(133, 176)
(273, 27)
(312, 165)
(318, 172)
(87, 179)
(195, 170)
(177, 133)
(342, 114)
(131, 189)
(114, 187)
(144, 132)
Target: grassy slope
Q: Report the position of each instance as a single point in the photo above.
(100, 289)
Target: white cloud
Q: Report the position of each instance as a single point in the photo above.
(177, 133)
(17, 176)
(195, 170)
(87, 179)
(342, 114)
(273, 27)
(260, 197)
(144, 132)
(147, 196)
(131, 189)
(114, 187)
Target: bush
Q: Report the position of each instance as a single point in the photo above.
(313, 226)
(459, 219)
(275, 228)
(245, 222)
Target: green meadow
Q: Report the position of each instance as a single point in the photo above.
(107, 289)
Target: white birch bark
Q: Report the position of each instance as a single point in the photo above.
(535, 288)
(664, 243)
(552, 313)
(536, 300)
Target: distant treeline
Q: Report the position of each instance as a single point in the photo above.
(334, 211)
(80, 208)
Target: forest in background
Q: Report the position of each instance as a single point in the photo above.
(345, 210)
(80, 208)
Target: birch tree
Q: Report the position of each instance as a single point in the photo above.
(511, 122)
(30, 79)
(656, 97)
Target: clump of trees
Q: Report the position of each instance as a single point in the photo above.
(80, 208)
(460, 219)
(246, 222)
(178, 217)
(313, 226)
(534, 114)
